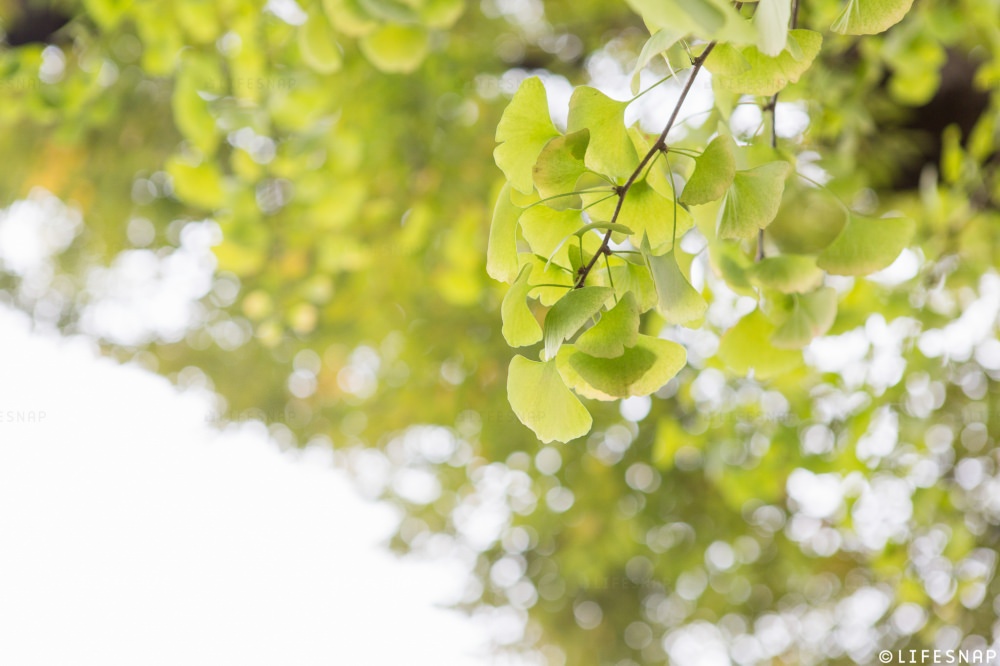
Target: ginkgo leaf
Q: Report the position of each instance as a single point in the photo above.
(869, 17)
(747, 346)
(679, 302)
(713, 173)
(787, 273)
(866, 245)
(501, 252)
(634, 278)
(520, 328)
(570, 313)
(753, 200)
(660, 41)
(546, 272)
(709, 19)
(548, 231)
(610, 151)
(395, 48)
(812, 315)
(602, 226)
(318, 45)
(771, 20)
(542, 402)
(523, 131)
(642, 369)
(767, 75)
(617, 329)
(648, 213)
(560, 165)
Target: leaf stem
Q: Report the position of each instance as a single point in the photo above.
(659, 145)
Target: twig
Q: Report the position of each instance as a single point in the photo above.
(660, 144)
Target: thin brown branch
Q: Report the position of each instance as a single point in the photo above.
(660, 144)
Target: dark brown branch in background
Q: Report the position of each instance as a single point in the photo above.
(661, 144)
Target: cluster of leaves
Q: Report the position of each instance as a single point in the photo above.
(601, 178)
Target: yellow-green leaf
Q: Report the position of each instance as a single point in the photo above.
(869, 17)
(570, 313)
(617, 329)
(866, 245)
(787, 273)
(640, 370)
(520, 328)
(542, 402)
(753, 200)
(501, 253)
(560, 165)
(523, 131)
(766, 75)
(713, 173)
(610, 150)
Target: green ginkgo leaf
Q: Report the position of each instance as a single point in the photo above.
(617, 329)
(747, 346)
(659, 42)
(709, 19)
(866, 245)
(501, 252)
(713, 173)
(542, 402)
(753, 200)
(787, 273)
(650, 214)
(318, 44)
(869, 17)
(396, 49)
(766, 75)
(570, 313)
(642, 369)
(523, 131)
(771, 20)
(520, 328)
(678, 301)
(544, 272)
(560, 165)
(633, 278)
(610, 151)
(548, 231)
(812, 315)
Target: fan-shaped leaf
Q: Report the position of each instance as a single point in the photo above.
(617, 329)
(520, 328)
(753, 200)
(866, 245)
(787, 273)
(640, 370)
(869, 17)
(713, 173)
(610, 150)
(501, 253)
(570, 313)
(747, 346)
(679, 302)
(766, 75)
(542, 402)
(560, 165)
(523, 131)
(396, 49)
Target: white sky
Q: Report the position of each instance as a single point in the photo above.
(131, 533)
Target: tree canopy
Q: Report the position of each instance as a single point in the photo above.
(675, 320)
